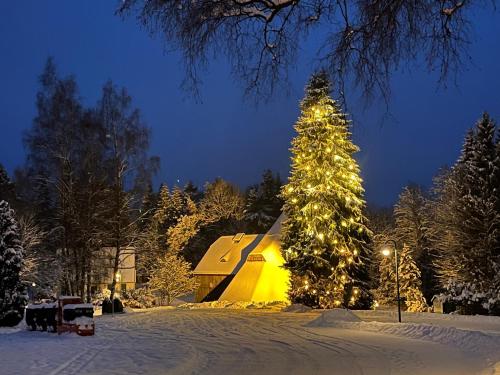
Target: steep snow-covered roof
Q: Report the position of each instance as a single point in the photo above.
(276, 228)
(226, 255)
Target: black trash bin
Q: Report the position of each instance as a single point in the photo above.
(41, 316)
(107, 308)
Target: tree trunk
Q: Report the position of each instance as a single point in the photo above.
(89, 280)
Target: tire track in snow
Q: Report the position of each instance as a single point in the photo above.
(78, 362)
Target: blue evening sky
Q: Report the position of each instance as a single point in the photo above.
(224, 135)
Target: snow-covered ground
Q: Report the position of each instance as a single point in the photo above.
(249, 341)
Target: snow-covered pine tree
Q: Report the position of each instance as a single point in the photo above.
(496, 193)
(263, 203)
(7, 191)
(179, 203)
(413, 219)
(172, 277)
(163, 210)
(484, 178)
(271, 187)
(467, 207)
(12, 293)
(187, 228)
(385, 294)
(171, 207)
(410, 282)
(324, 238)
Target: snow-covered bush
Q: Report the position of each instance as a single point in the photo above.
(100, 296)
(140, 298)
(469, 299)
(12, 292)
(172, 277)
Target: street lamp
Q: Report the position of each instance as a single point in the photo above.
(117, 280)
(386, 251)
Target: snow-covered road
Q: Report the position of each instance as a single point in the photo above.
(222, 341)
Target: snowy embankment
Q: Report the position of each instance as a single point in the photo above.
(480, 343)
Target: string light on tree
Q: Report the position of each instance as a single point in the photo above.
(324, 236)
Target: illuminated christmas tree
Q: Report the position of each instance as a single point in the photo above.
(324, 237)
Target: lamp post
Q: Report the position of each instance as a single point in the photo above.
(386, 251)
(117, 278)
(31, 291)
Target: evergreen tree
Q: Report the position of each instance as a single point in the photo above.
(263, 203)
(410, 282)
(467, 224)
(7, 190)
(386, 293)
(413, 220)
(252, 208)
(163, 207)
(12, 296)
(381, 224)
(192, 191)
(324, 237)
(171, 207)
(179, 204)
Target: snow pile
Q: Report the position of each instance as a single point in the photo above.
(11, 330)
(83, 322)
(330, 318)
(297, 308)
(72, 306)
(41, 306)
(482, 323)
(271, 305)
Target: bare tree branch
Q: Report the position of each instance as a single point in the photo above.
(363, 41)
